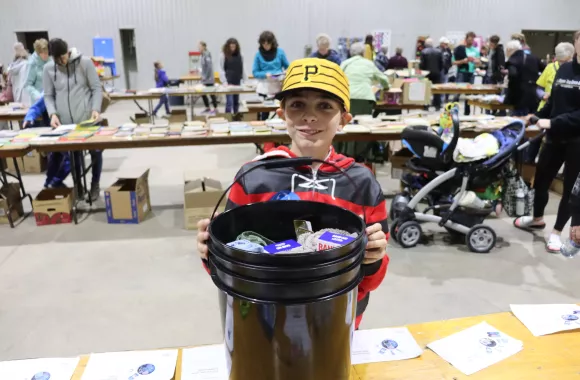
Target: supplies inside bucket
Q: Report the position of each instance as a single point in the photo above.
(306, 241)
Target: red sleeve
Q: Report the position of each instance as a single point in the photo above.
(374, 278)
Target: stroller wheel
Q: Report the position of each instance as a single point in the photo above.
(409, 234)
(480, 238)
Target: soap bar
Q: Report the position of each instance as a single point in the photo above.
(282, 246)
(329, 240)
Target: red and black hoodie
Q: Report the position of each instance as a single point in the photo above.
(326, 185)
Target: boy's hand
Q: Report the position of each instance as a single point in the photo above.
(202, 237)
(377, 244)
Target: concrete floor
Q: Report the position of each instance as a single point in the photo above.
(94, 287)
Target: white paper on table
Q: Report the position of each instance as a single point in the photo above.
(157, 365)
(53, 368)
(382, 345)
(476, 348)
(417, 91)
(549, 318)
(65, 128)
(204, 363)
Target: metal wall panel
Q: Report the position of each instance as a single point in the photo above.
(167, 30)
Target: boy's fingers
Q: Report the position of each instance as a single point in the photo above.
(202, 248)
(202, 237)
(376, 244)
(374, 228)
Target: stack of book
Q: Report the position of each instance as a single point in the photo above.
(220, 128)
(241, 129)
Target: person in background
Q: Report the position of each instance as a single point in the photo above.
(432, 61)
(232, 72)
(466, 58)
(369, 48)
(58, 166)
(382, 60)
(17, 74)
(397, 61)
(362, 74)
(161, 81)
(36, 64)
(523, 72)
(522, 39)
(447, 63)
(564, 53)
(324, 51)
(484, 65)
(207, 78)
(496, 61)
(560, 117)
(270, 62)
(73, 94)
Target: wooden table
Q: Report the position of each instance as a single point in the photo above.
(544, 358)
(14, 116)
(382, 106)
(490, 106)
(484, 89)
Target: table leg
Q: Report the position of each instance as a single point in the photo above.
(76, 187)
(150, 105)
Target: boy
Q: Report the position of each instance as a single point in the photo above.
(315, 105)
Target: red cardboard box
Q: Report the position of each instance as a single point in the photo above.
(53, 206)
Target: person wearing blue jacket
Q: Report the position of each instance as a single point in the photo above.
(270, 62)
(58, 166)
(161, 81)
(324, 51)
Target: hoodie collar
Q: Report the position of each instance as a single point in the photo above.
(339, 160)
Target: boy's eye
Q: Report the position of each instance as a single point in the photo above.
(296, 104)
(325, 105)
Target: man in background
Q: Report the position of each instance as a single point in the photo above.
(324, 51)
(432, 61)
(496, 60)
(466, 58)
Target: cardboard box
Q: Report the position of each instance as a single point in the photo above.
(398, 158)
(9, 164)
(416, 91)
(200, 196)
(127, 201)
(10, 203)
(178, 116)
(142, 118)
(53, 206)
(34, 162)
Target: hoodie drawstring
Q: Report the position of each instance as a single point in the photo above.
(75, 71)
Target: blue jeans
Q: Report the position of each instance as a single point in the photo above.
(58, 167)
(232, 103)
(464, 77)
(163, 100)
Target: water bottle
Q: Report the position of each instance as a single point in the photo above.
(570, 248)
(520, 202)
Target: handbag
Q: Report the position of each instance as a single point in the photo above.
(513, 184)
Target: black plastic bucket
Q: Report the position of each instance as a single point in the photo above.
(287, 316)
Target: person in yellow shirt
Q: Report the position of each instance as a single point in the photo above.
(564, 53)
(369, 48)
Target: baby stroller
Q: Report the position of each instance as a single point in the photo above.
(435, 158)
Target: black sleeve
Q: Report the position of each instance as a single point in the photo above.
(423, 64)
(575, 203)
(565, 121)
(500, 58)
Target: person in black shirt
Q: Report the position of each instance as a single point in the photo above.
(523, 72)
(232, 72)
(432, 61)
(560, 117)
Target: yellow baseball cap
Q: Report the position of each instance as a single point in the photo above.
(318, 74)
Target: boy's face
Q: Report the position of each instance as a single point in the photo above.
(313, 119)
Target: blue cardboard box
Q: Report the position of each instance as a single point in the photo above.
(127, 201)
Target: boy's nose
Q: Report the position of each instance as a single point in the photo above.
(309, 118)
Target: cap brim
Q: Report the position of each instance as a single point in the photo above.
(282, 94)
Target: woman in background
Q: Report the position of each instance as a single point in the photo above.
(369, 48)
(17, 74)
(161, 81)
(564, 53)
(560, 117)
(270, 62)
(232, 72)
(207, 78)
(523, 72)
(35, 67)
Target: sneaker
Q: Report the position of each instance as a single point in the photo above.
(166, 117)
(212, 112)
(206, 111)
(554, 244)
(95, 192)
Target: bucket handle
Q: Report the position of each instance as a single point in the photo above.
(288, 163)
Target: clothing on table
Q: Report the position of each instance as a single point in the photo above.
(34, 79)
(362, 74)
(206, 100)
(369, 53)
(72, 91)
(329, 186)
(521, 91)
(546, 80)
(18, 73)
(552, 156)
(207, 74)
(331, 56)
(398, 62)
(272, 62)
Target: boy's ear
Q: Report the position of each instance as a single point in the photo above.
(281, 114)
(345, 119)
